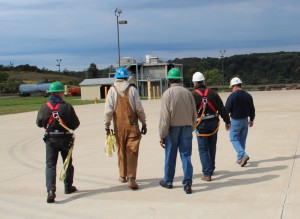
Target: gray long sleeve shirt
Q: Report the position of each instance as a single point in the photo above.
(177, 109)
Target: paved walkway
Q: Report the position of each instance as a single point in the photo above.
(268, 187)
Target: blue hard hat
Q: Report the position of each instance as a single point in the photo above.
(121, 73)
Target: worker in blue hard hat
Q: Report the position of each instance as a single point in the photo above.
(124, 107)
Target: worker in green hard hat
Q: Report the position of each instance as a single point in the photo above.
(176, 124)
(57, 138)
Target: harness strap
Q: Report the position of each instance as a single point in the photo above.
(53, 114)
(205, 100)
(210, 134)
(202, 107)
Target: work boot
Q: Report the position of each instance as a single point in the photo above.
(188, 189)
(122, 179)
(132, 184)
(206, 178)
(244, 160)
(70, 189)
(162, 183)
(51, 197)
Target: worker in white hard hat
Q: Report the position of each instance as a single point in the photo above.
(209, 106)
(242, 113)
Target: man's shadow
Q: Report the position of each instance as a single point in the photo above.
(204, 186)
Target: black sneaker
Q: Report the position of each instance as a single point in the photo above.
(188, 189)
(165, 185)
(51, 197)
(70, 189)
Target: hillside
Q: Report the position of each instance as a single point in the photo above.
(34, 77)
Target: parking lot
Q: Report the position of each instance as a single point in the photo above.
(268, 187)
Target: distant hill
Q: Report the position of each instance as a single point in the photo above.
(34, 77)
(255, 69)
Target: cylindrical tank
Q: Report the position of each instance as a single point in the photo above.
(27, 89)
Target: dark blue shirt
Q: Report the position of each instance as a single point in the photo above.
(240, 105)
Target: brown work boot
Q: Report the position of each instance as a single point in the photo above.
(132, 184)
(244, 160)
(122, 179)
(206, 178)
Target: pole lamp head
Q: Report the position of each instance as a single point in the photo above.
(118, 11)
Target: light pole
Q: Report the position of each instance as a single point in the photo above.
(118, 12)
(58, 63)
(222, 56)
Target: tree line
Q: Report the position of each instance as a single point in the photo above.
(253, 69)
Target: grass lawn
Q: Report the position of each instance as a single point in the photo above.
(11, 105)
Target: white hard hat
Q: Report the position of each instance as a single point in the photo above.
(198, 76)
(235, 81)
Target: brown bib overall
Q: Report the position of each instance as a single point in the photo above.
(128, 136)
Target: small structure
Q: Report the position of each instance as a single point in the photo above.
(95, 88)
(150, 78)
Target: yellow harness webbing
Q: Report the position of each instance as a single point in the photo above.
(62, 174)
(110, 143)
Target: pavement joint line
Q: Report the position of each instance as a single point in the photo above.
(290, 179)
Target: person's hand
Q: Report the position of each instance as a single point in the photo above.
(162, 143)
(251, 123)
(108, 130)
(144, 129)
(227, 126)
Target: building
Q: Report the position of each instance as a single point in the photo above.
(150, 76)
(95, 88)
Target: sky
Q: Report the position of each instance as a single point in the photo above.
(81, 32)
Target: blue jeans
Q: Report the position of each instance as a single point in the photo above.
(238, 134)
(179, 137)
(207, 146)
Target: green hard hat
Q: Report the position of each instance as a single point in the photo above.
(174, 73)
(56, 87)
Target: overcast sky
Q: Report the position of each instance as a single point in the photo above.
(81, 32)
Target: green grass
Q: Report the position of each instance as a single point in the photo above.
(12, 105)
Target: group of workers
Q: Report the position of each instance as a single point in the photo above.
(182, 112)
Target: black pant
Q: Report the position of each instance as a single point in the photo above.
(53, 147)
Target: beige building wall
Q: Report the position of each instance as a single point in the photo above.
(90, 92)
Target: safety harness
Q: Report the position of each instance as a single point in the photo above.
(202, 107)
(55, 115)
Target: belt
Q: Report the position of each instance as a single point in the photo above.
(57, 134)
(210, 116)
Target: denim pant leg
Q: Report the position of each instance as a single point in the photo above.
(235, 136)
(185, 149)
(204, 155)
(212, 147)
(171, 149)
(244, 133)
(51, 161)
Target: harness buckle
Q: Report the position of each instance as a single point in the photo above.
(204, 100)
(55, 114)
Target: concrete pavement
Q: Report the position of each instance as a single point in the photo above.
(268, 187)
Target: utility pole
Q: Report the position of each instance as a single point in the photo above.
(118, 12)
(58, 63)
(222, 57)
